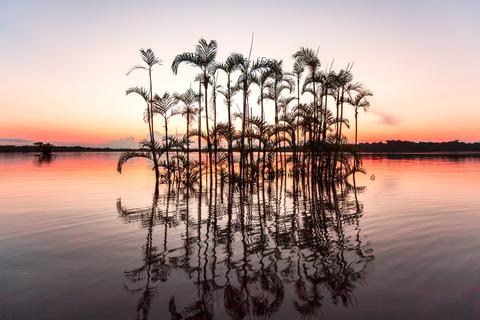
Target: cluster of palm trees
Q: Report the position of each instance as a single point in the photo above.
(306, 138)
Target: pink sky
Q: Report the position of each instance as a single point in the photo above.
(63, 63)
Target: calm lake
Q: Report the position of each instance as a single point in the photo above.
(80, 241)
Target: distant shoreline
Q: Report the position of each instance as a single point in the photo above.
(376, 148)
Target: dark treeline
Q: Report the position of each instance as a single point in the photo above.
(409, 146)
(390, 146)
(38, 149)
(308, 106)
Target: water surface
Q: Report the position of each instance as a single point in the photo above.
(79, 241)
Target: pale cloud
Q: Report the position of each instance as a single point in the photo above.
(15, 141)
(123, 143)
(385, 118)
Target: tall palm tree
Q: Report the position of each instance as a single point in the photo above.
(230, 65)
(228, 133)
(343, 79)
(306, 57)
(203, 58)
(359, 101)
(280, 82)
(340, 81)
(247, 70)
(350, 88)
(189, 111)
(215, 88)
(150, 60)
(298, 69)
(165, 106)
(328, 85)
(263, 134)
(262, 81)
(199, 79)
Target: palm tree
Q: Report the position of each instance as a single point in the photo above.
(145, 151)
(203, 58)
(247, 73)
(280, 82)
(286, 116)
(165, 106)
(199, 79)
(306, 57)
(150, 60)
(359, 101)
(328, 85)
(215, 88)
(342, 79)
(227, 132)
(189, 111)
(263, 134)
(350, 88)
(261, 80)
(230, 65)
(339, 82)
(298, 69)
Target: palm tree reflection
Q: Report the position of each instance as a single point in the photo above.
(248, 252)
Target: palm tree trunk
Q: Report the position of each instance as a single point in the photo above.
(315, 114)
(258, 165)
(341, 122)
(200, 129)
(276, 129)
(356, 126)
(230, 152)
(242, 142)
(188, 150)
(215, 142)
(209, 143)
(261, 104)
(337, 104)
(324, 134)
(261, 134)
(284, 152)
(167, 147)
(250, 145)
(341, 113)
(151, 130)
(296, 128)
(337, 140)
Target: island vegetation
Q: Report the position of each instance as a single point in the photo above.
(306, 138)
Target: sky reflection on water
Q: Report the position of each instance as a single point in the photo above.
(79, 241)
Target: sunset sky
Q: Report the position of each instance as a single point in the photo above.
(63, 63)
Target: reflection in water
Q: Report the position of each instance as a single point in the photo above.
(64, 249)
(44, 158)
(248, 252)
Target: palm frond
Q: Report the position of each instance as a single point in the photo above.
(149, 57)
(186, 57)
(135, 67)
(125, 156)
(206, 51)
(163, 104)
(142, 92)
